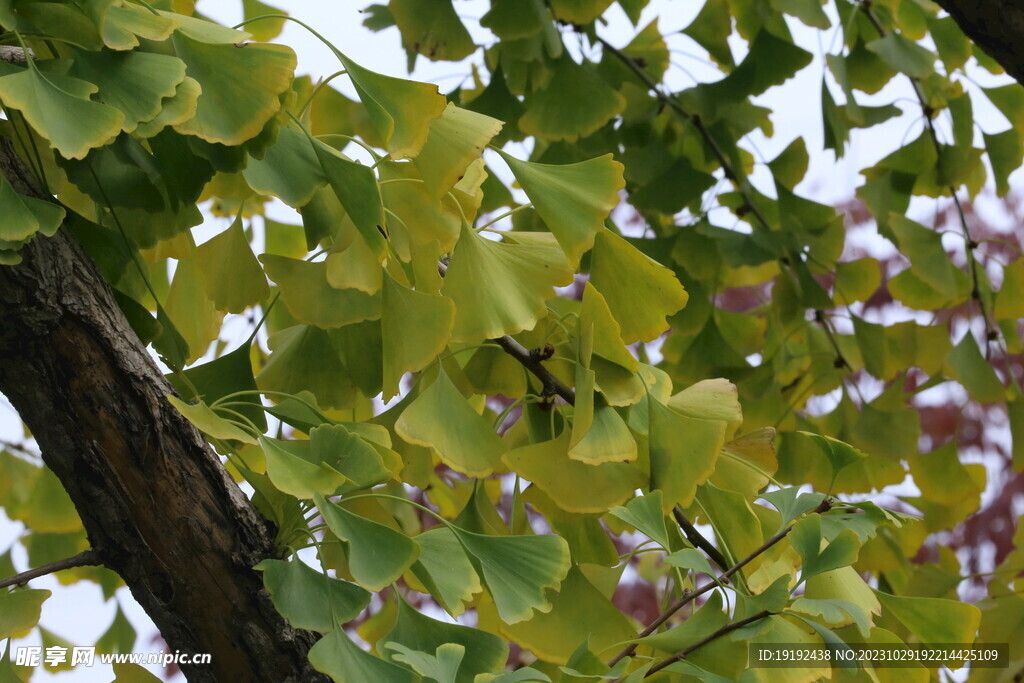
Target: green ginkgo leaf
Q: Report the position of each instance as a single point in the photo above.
(640, 292)
(174, 110)
(554, 113)
(19, 610)
(933, 620)
(209, 422)
(400, 110)
(806, 538)
(357, 190)
(415, 328)
(445, 571)
(342, 660)
(194, 314)
(289, 170)
(355, 267)
(711, 399)
(231, 274)
(350, 454)
(484, 651)
(122, 24)
(377, 554)
(579, 613)
(442, 420)
(572, 199)
(607, 339)
(904, 55)
(303, 358)
(311, 299)
(574, 486)
(457, 139)
(646, 514)
(518, 569)
(579, 11)
(204, 31)
(241, 85)
(966, 364)
(683, 452)
(25, 216)
(442, 666)
(599, 434)
(418, 217)
(432, 28)
(708, 619)
(310, 599)
(136, 83)
(59, 109)
(293, 469)
(267, 28)
(499, 288)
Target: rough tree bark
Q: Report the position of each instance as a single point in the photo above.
(155, 500)
(997, 26)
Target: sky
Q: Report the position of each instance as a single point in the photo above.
(78, 614)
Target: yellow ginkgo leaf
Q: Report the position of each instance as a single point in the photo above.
(572, 199)
(457, 138)
(310, 297)
(415, 328)
(499, 288)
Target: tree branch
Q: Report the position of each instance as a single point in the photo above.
(994, 25)
(698, 540)
(531, 360)
(87, 558)
(12, 54)
(728, 628)
(689, 596)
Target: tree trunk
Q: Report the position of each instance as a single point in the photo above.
(997, 26)
(155, 500)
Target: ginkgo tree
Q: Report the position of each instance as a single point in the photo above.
(469, 396)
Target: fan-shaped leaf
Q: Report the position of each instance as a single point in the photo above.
(445, 571)
(554, 112)
(457, 139)
(294, 470)
(415, 328)
(442, 420)
(377, 554)
(499, 288)
(311, 299)
(683, 452)
(25, 216)
(310, 599)
(231, 274)
(342, 660)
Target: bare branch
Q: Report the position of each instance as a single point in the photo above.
(698, 540)
(13, 54)
(87, 558)
(728, 628)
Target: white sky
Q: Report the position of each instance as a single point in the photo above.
(78, 613)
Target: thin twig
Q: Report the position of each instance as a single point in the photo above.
(87, 558)
(728, 628)
(689, 596)
(698, 540)
(531, 360)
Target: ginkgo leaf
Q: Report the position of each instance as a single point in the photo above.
(292, 469)
(573, 199)
(518, 569)
(806, 538)
(19, 610)
(579, 11)
(311, 299)
(442, 420)
(499, 288)
(442, 666)
(484, 651)
(683, 452)
(267, 28)
(432, 28)
(342, 660)
(445, 571)
(194, 314)
(708, 619)
(599, 434)
(640, 292)
(646, 514)
(554, 112)
(122, 24)
(377, 554)
(174, 110)
(933, 620)
(607, 339)
(574, 486)
(59, 109)
(310, 599)
(415, 328)
(966, 364)
(579, 613)
(457, 138)
(303, 358)
(711, 399)
(358, 192)
(289, 170)
(209, 422)
(231, 274)
(350, 454)
(240, 84)
(25, 216)
(136, 83)
(400, 110)
(417, 216)
(355, 267)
